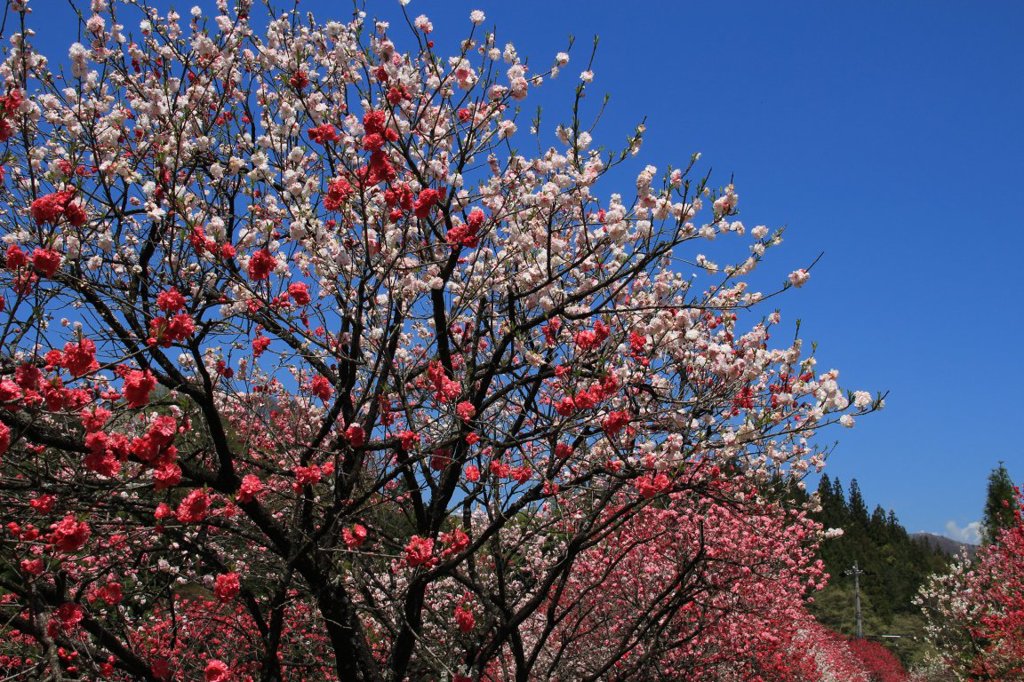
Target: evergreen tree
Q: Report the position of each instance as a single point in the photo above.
(838, 493)
(831, 512)
(999, 504)
(878, 527)
(894, 566)
(858, 508)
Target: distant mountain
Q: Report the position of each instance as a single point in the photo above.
(944, 544)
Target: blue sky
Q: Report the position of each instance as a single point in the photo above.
(886, 135)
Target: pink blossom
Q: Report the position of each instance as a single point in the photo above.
(799, 277)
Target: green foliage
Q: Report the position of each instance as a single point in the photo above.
(894, 566)
(1000, 502)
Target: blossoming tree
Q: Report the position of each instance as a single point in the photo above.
(308, 371)
(975, 612)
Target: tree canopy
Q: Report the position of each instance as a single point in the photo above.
(309, 370)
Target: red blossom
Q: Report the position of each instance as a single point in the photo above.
(299, 293)
(259, 345)
(43, 504)
(67, 616)
(440, 459)
(323, 134)
(166, 476)
(69, 534)
(165, 332)
(299, 80)
(15, 257)
(374, 121)
(217, 671)
(615, 422)
(80, 358)
(465, 410)
(649, 486)
(46, 261)
(227, 586)
(446, 389)
(194, 507)
(9, 391)
(427, 199)
(355, 435)
(354, 536)
(137, 387)
(373, 141)
(251, 487)
(304, 476)
(565, 407)
(464, 618)
(170, 301)
(419, 552)
(455, 542)
(50, 208)
(260, 265)
(76, 215)
(592, 339)
(466, 233)
(408, 440)
(338, 191)
(5, 438)
(321, 387)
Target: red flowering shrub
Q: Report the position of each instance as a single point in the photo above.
(880, 663)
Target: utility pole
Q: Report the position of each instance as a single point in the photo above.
(857, 573)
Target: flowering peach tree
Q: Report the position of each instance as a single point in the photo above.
(308, 369)
(975, 612)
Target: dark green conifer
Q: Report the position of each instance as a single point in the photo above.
(1000, 503)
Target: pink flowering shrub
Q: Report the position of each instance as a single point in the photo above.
(306, 373)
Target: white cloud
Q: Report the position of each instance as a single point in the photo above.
(970, 533)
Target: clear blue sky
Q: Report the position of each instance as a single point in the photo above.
(886, 135)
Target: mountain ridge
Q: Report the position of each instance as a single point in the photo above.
(944, 544)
